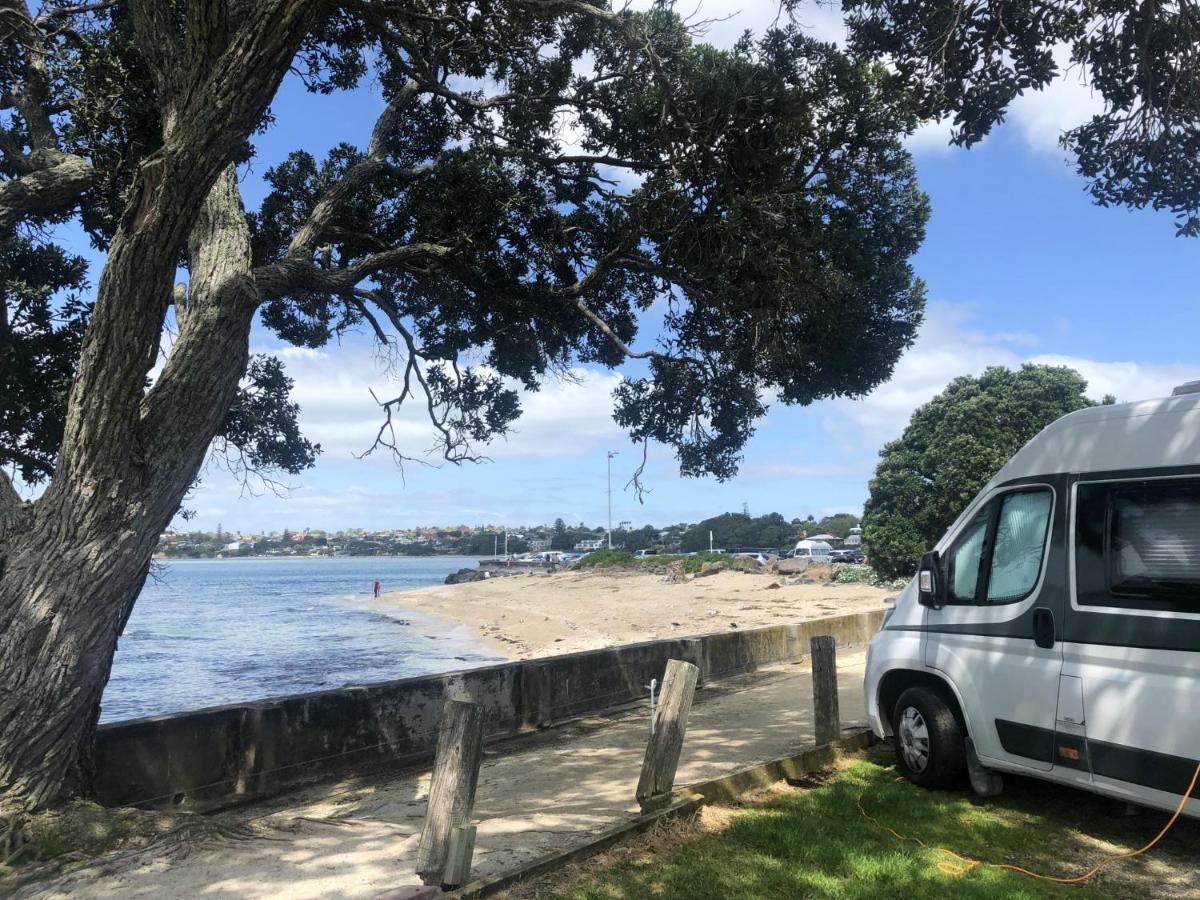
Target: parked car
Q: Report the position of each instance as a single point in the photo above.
(849, 555)
(818, 551)
(642, 554)
(1054, 631)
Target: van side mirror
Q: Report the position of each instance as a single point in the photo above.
(929, 581)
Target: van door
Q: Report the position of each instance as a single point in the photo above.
(998, 638)
(1132, 634)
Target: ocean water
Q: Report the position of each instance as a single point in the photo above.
(208, 632)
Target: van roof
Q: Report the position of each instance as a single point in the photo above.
(1148, 434)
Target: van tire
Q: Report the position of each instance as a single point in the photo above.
(930, 747)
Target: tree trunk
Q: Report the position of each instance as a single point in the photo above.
(65, 595)
(72, 564)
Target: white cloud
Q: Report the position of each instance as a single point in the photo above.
(333, 389)
(949, 346)
(932, 137)
(1042, 116)
(1127, 381)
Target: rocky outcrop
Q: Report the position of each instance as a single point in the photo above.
(466, 576)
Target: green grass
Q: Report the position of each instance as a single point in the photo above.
(623, 559)
(816, 843)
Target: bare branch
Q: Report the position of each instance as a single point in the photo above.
(454, 446)
(639, 488)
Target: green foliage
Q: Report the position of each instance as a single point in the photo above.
(763, 192)
(739, 530)
(863, 574)
(608, 559)
(624, 559)
(971, 61)
(839, 524)
(39, 342)
(952, 446)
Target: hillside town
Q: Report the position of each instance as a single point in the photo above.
(726, 530)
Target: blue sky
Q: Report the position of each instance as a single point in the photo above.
(1019, 266)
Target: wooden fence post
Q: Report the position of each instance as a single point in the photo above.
(670, 724)
(452, 788)
(826, 717)
(458, 858)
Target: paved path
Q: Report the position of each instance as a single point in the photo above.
(536, 795)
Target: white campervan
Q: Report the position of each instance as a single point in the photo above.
(1055, 629)
(817, 551)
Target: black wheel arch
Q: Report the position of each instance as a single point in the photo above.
(897, 681)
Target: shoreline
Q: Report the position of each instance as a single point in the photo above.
(528, 615)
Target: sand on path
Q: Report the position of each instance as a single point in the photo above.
(529, 615)
(536, 795)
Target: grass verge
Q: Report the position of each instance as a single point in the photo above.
(816, 843)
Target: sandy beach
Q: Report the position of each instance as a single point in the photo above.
(530, 615)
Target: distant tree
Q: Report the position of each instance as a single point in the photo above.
(738, 530)
(559, 539)
(970, 61)
(286, 537)
(952, 446)
(839, 524)
(644, 538)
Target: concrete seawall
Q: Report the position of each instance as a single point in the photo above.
(229, 754)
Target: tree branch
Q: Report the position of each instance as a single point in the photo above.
(60, 12)
(278, 279)
(54, 184)
(30, 98)
(10, 500)
(308, 236)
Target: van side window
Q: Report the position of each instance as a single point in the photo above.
(998, 556)
(966, 557)
(1138, 545)
(1019, 546)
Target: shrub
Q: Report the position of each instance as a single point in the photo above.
(608, 559)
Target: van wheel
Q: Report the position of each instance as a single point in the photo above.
(929, 743)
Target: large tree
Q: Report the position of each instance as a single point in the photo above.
(760, 193)
(951, 448)
(969, 60)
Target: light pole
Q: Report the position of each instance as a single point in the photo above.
(611, 454)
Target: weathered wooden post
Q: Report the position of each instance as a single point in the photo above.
(458, 857)
(670, 724)
(826, 717)
(452, 789)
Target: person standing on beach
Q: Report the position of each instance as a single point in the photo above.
(378, 588)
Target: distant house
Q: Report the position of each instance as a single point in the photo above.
(827, 538)
(590, 544)
(537, 545)
(854, 538)
(239, 545)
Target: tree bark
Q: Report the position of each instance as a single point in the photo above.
(71, 576)
(72, 563)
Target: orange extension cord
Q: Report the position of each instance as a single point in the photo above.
(963, 865)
